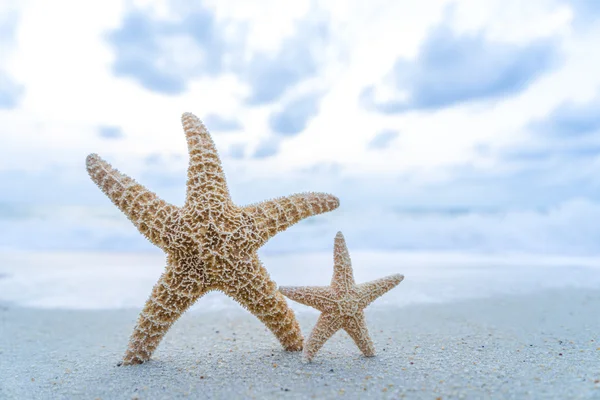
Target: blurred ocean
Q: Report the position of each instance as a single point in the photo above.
(93, 258)
(111, 280)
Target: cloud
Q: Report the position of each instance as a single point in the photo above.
(271, 75)
(550, 154)
(40, 228)
(163, 173)
(163, 55)
(294, 116)
(10, 91)
(53, 185)
(237, 151)
(452, 69)
(568, 136)
(585, 11)
(325, 168)
(110, 132)
(217, 123)
(571, 120)
(153, 159)
(266, 148)
(382, 140)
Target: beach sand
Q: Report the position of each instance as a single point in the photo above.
(541, 345)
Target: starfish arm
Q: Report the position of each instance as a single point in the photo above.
(276, 215)
(369, 291)
(171, 297)
(319, 297)
(256, 292)
(356, 327)
(150, 214)
(326, 326)
(206, 179)
(343, 277)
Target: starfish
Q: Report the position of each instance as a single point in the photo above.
(342, 303)
(210, 243)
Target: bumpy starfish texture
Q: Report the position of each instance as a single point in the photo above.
(341, 304)
(210, 243)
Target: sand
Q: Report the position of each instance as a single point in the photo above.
(542, 345)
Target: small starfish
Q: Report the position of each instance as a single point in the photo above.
(342, 303)
(210, 243)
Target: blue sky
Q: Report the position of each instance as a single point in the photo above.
(469, 125)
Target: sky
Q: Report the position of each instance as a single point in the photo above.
(467, 125)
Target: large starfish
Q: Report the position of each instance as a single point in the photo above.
(342, 303)
(210, 243)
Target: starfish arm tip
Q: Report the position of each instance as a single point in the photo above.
(91, 157)
(331, 201)
(335, 200)
(339, 244)
(91, 160)
(187, 115)
(96, 167)
(205, 172)
(394, 280)
(192, 125)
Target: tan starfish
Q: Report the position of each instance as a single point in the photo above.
(342, 303)
(210, 243)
